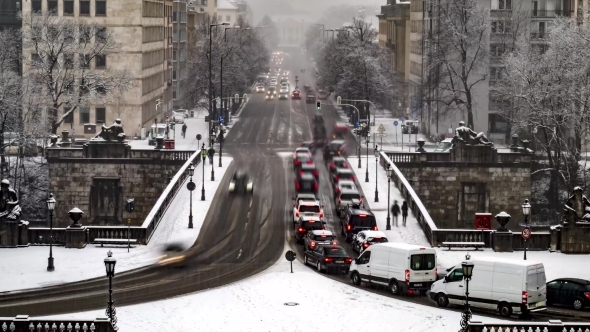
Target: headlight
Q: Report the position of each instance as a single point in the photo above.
(232, 186)
(249, 185)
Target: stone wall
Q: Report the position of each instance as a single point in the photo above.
(100, 186)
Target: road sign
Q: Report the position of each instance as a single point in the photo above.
(450, 129)
(221, 119)
(395, 123)
(381, 128)
(191, 186)
(381, 134)
(199, 137)
(290, 256)
(356, 125)
(526, 233)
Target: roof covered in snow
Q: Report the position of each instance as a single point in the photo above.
(226, 4)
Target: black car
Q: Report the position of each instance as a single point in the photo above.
(306, 224)
(318, 119)
(307, 88)
(309, 169)
(306, 183)
(329, 258)
(334, 149)
(343, 174)
(310, 98)
(240, 184)
(569, 292)
(355, 219)
(338, 162)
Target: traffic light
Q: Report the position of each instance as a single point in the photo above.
(318, 105)
(237, 98)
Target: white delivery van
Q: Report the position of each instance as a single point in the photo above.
(400, 266)
(507, 285)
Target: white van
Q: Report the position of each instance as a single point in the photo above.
(400, 266)
(507, 285)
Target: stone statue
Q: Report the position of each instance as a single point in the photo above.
(577, 207)
(9, 206)
(114, 132)
(469, 136)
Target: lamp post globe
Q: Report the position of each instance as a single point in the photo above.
(389, 172)
(526, 210)
(191, 170)
(467, 269)
(191, 186)
(50, 207)
(109, 264)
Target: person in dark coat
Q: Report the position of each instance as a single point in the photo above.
(210, 154)
(395, 211)
(184, 130)
(404, 212)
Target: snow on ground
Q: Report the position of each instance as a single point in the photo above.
(412, 233)
(23, 268)
(258, 304)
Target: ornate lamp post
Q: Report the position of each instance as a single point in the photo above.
(203, 156)
(467, 268)
(367, 171)
(526, 210)
(109, 264)
(376, 165)
(389, 173)
(191, 186)
(50, 207)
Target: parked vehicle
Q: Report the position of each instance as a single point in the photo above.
(158, 130)
(569, 292)
(401, 267)
(509, 286)
(444, 145)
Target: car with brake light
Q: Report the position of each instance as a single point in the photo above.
(306, 183)
(306, 223)
(310, 98)
(314, 238)
(364, 239)
(329, 258)
(337, 162)
(345, 198)
(343, 174)
(304, 197)
(301, 158)
(333, 149)
(296, 94)
(240, 183)
(571, 292)
(340, 130)
(444, 145)
(309, 169)
(306, 207)
(344, 185)
(355, 219)
(301, 149)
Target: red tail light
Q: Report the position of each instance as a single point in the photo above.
(347, 227)
(328, 260)
(316, 173)
(297, 214)
(315, 186)
(310, 162)
(321, 213)
(375, 228)
(345, 128)
(337, 179)
(337, 191)
(348, 260)
(312, 244)
(352, 178)
(297, 186)
(345, 165)
(297, 162)
(332, 165)
(525, 296)
(587, 295)
(366, 245)
(301, 230)
(407, 276)
(300, 173)
(339, 199)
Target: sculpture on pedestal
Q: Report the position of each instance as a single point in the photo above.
(112, 133)
(468, 136)
(577, 208)
(9, 205)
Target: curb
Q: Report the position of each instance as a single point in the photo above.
(241, 109)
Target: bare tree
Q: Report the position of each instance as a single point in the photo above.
(67, 58)
(456, 55)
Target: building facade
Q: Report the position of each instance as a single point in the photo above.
(143, 29)
(227, 12)
(179, 52)
(291, 29)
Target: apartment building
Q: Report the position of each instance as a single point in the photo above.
(201, 10)
(227, 12)
(179, 52)
(143, 29)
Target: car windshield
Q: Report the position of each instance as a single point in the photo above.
(309, 208)
(315, 226)
(324, 238)
(377, 240)
(340, 163)
(347, 186)
(363, 220)
(336, 252)
(345, 175)
(350, 196)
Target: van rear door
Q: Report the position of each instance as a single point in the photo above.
(536, 286)
(422, 267)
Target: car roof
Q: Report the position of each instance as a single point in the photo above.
(349, 191)
(575, 280)
(337, 158)
(374, 234)
(330, 246)
(346, 182)
(302, 147)
(306, 196)
(321, 232)
(358, 211)
(338, 141)
(308, 166)
(310, 203)
(307, 176)
(344, 170)
(310, 217)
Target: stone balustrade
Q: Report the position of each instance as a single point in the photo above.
(550, 326)
(24, 323)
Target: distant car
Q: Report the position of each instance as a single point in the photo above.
(173, 255)
(316, 238)
(318, 119)
(307, 88)
(309, 169)
(444, 145)
(571, 292)
(270, 97)
(344, 198)
(296, 94)
(306, 183)
(340, 129)
(323, 95)
(178, 117)
(364, 239)
(283, 95)
(272, 91)
(240, 184)
(307, 223)
(310, 98)
(329, 258)
(337, 162)
(343, 174)
(301, 158)
(307, 207)
(355, 219)
(333, 149)
(410, 127)
(260, 88)
(301, 149)
(344, 185)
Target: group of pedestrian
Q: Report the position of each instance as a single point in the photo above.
(395, 210)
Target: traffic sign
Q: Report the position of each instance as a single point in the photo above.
(356, 125)
(290, 256)
(221, 119)
(526, 233)
(381, 128)
(381, 134)
(191, 186)
(395, 123)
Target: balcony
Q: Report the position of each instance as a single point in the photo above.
(550, 13)
(400, 10)
(538, 35)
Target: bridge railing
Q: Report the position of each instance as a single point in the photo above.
(24, 323)
(550, 326)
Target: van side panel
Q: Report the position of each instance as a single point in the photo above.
(507, 284)
(379, 264)
(397, 264)
(480, 285)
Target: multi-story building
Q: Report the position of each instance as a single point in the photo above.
(202, 10)
(143, 29)
(179, 53)
(227, 12)
(244, 11)
(291, 29)
(9, 16)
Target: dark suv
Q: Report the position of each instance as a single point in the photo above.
(355, 219)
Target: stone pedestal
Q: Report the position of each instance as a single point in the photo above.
(575, 239)
(502, 241)
(107, 149)
(23, 234)
(9, 233)
(76, 237)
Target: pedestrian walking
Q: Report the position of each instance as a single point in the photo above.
(404, 212)
(210, 154)
(184, 130)
(395, 211)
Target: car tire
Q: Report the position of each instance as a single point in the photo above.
(305, 262)
(318, 266)
(394, 287)
(578, 304)
(505, 310)
(442, 300)
(356, 279)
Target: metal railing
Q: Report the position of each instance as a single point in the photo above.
(550, 326)
(550, 13)
(24, 323)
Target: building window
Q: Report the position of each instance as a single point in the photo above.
(497, 123)
(174, 94)
(52, 6)
(174, 17)
(101, 61)
(501, 27)
(35, 58)
(101, 90)
(174, 75)
(496, 73)
(69, 61)
(174, 55)
(84, 115)
(36, 6)
(84, 7)
(101, 115)
(101, 35)
(504, 4)
(101, 8)
(84, 61)
(70, 117)
(68, 7)
(204, 2)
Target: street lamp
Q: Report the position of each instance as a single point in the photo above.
(109, 264)
(389, 173)
(203, 156)
(367, 171)
(376, 164)
(526, 210)
(50, 207)
(191, 186)
(211, 78)
(467, 268)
